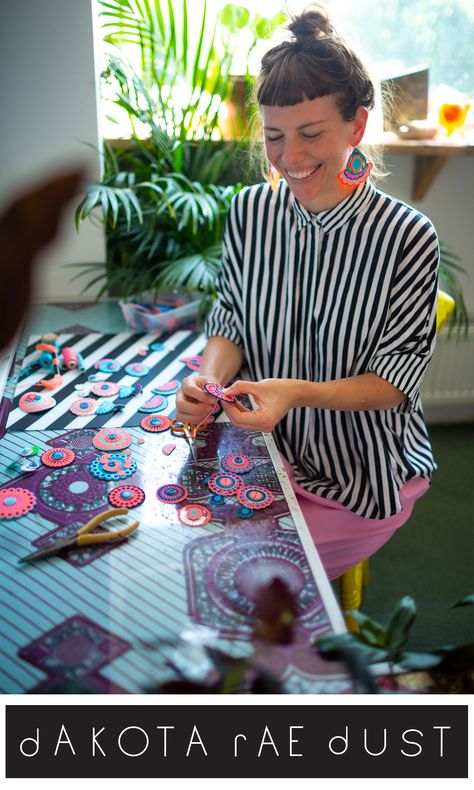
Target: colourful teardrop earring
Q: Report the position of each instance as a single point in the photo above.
(357, 169)
(274, 177)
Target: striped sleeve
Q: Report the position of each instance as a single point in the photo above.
(226, 316)
(408, 341)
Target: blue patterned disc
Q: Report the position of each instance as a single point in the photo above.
(172, 493)
(113, 466)
(137, 369)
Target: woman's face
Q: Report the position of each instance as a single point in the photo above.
(309, 143)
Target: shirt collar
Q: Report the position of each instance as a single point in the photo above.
(335, 217)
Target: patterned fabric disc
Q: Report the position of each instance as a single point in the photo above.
(194, 515)
(255, 497)
(156, 403)
(225, 483)
(36, 401)
(126, 496)
(112, 439)
(216, 391)
(83, 407)
(172, 493)
(113, 466)
(15, 502)
(58, 457)
(167, 388)
(105, 388)
(237, 463)
(155, 423)
(136, 369)
(108, 365)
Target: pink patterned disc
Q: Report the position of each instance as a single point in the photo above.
(155, 423)
(58, 457)
(216, 391)
(36, 401)
(108, 365)
(194, 515)
(105, 388)
(172, 493)
(167, 388)
(156, 403)
(83, 407)
(255, 497)
(126, 496)
(112, 439)
(237, 463)
(193, 363)
(225, 483)
(15, 502)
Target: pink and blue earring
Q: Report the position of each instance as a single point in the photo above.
(357, 169)
(274, 177)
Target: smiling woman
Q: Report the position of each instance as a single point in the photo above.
(328, 292)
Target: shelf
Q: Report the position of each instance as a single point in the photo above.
(430, 158)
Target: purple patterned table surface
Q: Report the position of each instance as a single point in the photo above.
(112, 619)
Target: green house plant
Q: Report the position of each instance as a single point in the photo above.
(161, 196)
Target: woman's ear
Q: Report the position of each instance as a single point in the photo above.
(358, 125)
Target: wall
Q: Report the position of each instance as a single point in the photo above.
(49, 110)
(449, 204)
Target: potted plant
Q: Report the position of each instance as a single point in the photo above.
(162, 197)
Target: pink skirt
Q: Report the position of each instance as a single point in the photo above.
(341, 537)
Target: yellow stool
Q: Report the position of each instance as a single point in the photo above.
(354, 579)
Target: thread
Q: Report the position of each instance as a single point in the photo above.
(69, 358)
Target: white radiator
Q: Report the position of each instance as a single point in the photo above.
(449, 380)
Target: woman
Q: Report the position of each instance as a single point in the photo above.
(328, 292)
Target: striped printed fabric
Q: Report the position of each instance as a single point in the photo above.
(164, 364)
(327, 296)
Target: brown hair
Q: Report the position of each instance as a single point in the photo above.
(314, 62)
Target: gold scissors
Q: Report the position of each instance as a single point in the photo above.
(85, 536)
(189, 431)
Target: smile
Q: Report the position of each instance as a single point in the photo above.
(301, 174)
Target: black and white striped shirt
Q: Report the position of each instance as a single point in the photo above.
(326, 296)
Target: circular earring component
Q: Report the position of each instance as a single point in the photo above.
(136, 369)
(155, 423)
(194, 515)
(156, 403)
(255, 497)
(225, 483)
(83, 407)
(108, 365)
(240, 464)
(36, 401)
(113, 466)
(126, 496)
(112, 439)
(57, 458)
(172, 493)
(15, 502)
(217, 392)
(105, 388)
(167, 388)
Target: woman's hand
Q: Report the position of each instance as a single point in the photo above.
(193, 403)
(274, 399)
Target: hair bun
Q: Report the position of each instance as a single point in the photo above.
(313, 23)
